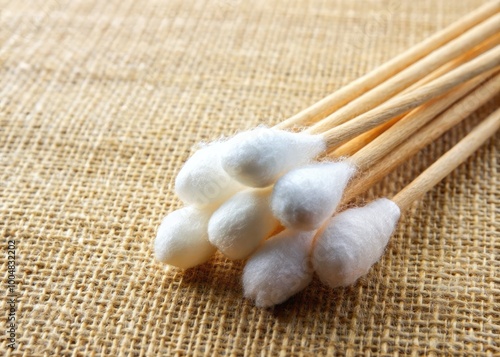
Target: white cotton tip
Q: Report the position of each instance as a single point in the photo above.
(306, 197)
(239, 226)
(202, 180)
(353, 241)
(258, 157)
(279, 269)
(182, 238)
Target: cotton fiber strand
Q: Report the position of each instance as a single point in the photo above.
(279, 269)
(202, 181)
(182, 238)
(353, 241)
(258, 157)
(239, 226)
(307, 196)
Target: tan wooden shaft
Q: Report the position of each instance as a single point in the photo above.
(404, 103)
(336, 100)
(412, 122)
(356, 144)
(448, 162)
(410, 75)
(428, 134)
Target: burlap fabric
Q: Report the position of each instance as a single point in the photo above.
(102, 102)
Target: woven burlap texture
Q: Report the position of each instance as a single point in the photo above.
(101, 103)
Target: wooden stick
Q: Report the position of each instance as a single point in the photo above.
(344, 95)
(410, 75)
(445, 121)
(356, 144)
(448, 162)
(402, 104)
(412, 122)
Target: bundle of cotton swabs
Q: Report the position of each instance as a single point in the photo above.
(272, 195)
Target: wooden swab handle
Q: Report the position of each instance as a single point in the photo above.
(363, 84)
(401, 104)
(448, 162)
(445, 121)
(356, 144)
(410, 75)
(412, 122)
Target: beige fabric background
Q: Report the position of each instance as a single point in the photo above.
(101, 103)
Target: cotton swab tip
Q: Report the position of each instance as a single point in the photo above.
(353, 241)
(305, 197)
(202, 181)
(257, 158)
(182, 238)
(279, 269)
(239, 226)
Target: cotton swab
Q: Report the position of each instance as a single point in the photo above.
(279, 269)
(182, 238)
(336, 100)
(428, 134)
(239, 226)
(252, 158)
(412, 74)
(352, 241)
(305, 197)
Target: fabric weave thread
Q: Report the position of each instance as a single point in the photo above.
(102, 102)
